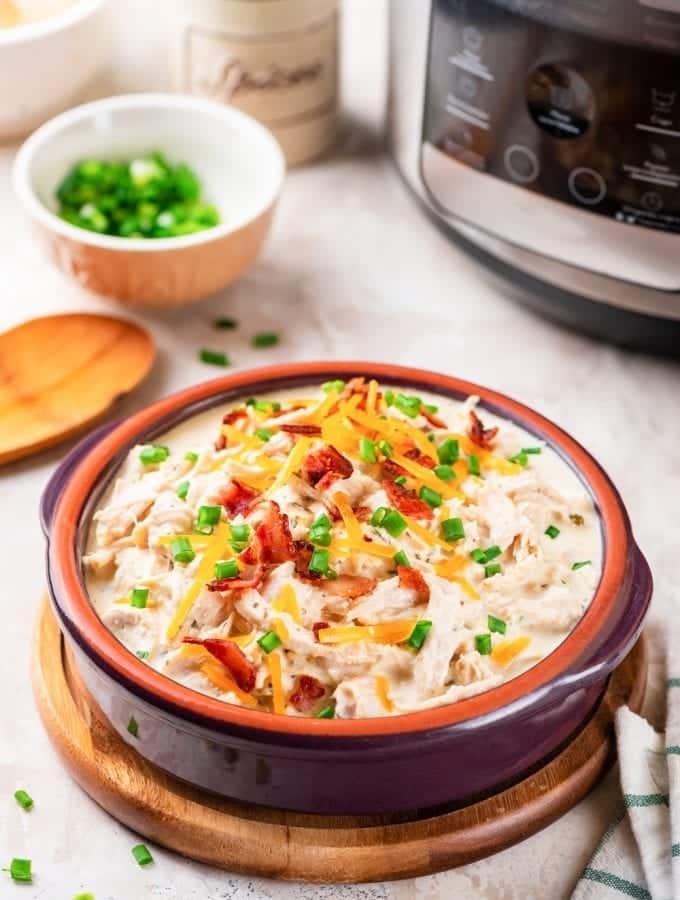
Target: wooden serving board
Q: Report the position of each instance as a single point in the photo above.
(59, 373)
(291, 846)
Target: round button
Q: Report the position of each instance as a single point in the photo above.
(522, 164)
(587, 186)
(652, 201)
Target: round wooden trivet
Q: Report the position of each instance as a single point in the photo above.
(291, 846)
(60, 373)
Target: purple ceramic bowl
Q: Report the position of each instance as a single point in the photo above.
(448, 755)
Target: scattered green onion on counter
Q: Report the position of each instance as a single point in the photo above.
(133, 727)
(147, 197)
(24, 799)
(142, 855)
(20, 870)
(265, 339)
(213, 357)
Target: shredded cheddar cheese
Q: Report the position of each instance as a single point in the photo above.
(382, 633)
(216, 674)
(291, 465)
(382, 693)
(355, 532)
(278, 695)
(287, 602)
(504, 653)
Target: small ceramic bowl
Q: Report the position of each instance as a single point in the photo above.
(447, 755)
(43, 68)
(239, 163)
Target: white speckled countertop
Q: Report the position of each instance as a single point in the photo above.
(349, 246)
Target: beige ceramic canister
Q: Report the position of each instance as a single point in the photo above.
(275, 59)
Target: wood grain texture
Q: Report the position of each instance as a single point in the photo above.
(292, 846)
(60, 373)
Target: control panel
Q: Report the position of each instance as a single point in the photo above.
(566, 112)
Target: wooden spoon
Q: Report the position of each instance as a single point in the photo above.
(60, 373)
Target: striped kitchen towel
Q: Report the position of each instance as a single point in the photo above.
(639, 855)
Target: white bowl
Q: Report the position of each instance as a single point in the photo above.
(45, 66)
(239, 163)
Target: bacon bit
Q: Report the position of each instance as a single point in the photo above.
(325, 461)
(238, 498)
(220, 585)
(317, 627)
(350, 586)
(306, 693)
(420, 458)
(392, 470)
(234, 415)
(413, 580)
(221, 443)
(232, 658)
(406, 502)
(303, 556)
(312, 430)
(431, 417)
(363, 513)
(275, 538)
(478, 434)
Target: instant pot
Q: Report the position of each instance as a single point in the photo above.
(544, 136)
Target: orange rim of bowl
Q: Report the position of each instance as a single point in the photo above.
(106, 647)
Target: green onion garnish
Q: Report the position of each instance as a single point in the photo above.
(385, 448)
(182, 551)
(335, 387)
(401, 479)
(497, 625)
(208, 517)
(240, 533)
(213, 357)
(86, 896)
(183, 490)
(142, 855)
(532, 451)
(492, 552)
(379, 516)
(269, 641)
(367, 450)
(24, 799)
(142, 654)
(319, 562)
(448, 452)
(320, 536)
(394, 523)
(419, 633)
(492, 569)
(322, 521)
(431, 408)
(473, 464)
(483, 644)
(264, 434)
(401, 559)
(328, 712)
(444, 472)
(138, 598)
(453, 529)
(226, 323)
(265, 406)
(133, 727)
(191, 457)
(151, 456)
(478, 555)
(432, 498)
(20, 870)
(520, 459)
(552, 531)
(265, 339)
(226, 568)
(580, 565)
(409, 405)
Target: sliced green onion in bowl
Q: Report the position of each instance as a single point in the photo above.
(483, 644)
(401, 559)
(152, 456)
(269, 641)
(496, 625)
(266, 339)
(138, 598)
(448, 452)
(432, 498)
(182, 551)
(453, 529)
(552, 531)
(419, 634)
(213, 357)
(226, 568)
(367, 450)
(183, 489)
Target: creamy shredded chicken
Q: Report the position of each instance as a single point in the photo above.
(352, 551)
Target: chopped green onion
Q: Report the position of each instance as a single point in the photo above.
(401, 559)
(445, 472)
(24, 799)
(138, 598)
(226, 323)
(448, 452)
(133, 727)
(239, 532)
(532, 451)
(483, 644)
(328, 712)
(401, 479)
(266, 406)
(213, 357)
(238, 546)
(142, 855)
(552, 531)
(497, 625)
(385, 448)
(142, 654)
(409, 405)
(182, 551)
(394, 523)
(520, 459)
(580, 565)
(335, 387)
(319, 562)
(226, 568)
(492, 552)
(432, 438)
(320, 536)
(191, 457)
(478, 555)
(269, 641)
(473, 464)
(151, 456)
(183, 490)
(431, 408)
(265, 339)
(432, 498)
(264, 434)
(389, 397)
(86, 896)
(378, 516)
(367, 450)
(331, 574)
(20, 870)
(453, 529)
(208, 517)
(322, 521)
(492, 569)
(419, 633)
